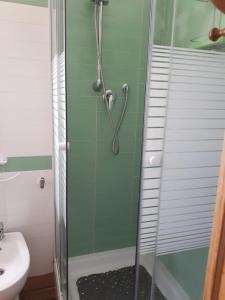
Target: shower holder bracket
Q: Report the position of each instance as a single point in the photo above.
(104, 2)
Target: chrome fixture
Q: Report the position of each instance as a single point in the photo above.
(109, 97)
(98, 84)
(42, 182)
(2, 231)
(105, 2)
(3, 159)
(125, 88)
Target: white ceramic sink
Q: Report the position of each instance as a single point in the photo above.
(15, 262)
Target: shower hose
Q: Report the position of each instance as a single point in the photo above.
(100, 83)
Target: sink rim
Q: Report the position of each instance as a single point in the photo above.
(14, 239)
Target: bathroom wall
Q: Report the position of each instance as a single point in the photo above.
(28, 209)
(43, 3)
(103, 189)
(25, 129)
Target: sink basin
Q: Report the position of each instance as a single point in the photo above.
(14, 265)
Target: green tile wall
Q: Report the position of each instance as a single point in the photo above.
(103, 189)
(29, 163)
(163, 22)
(43, 3)
(189, 270)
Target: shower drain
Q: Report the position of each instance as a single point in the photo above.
(2, 272)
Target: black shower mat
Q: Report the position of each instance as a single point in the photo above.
(116, 285)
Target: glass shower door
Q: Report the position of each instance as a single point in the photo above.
(57, 12)
(183, 138)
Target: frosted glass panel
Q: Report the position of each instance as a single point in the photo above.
(185, 131)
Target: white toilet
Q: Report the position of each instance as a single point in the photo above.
(14, 265)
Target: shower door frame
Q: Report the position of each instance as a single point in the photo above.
(151, 33)
(60, 144)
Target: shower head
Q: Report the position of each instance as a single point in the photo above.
(125, 88)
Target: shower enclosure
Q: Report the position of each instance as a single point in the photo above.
(138, 92)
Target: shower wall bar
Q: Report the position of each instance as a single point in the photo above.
(104, 2)
(109, 97)
(192, 147)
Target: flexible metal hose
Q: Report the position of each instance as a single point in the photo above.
(115, 141)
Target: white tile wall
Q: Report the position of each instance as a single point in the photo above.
(27, 208)
(25, 82)
(25, 127)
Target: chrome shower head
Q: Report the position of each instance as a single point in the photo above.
(125, 88)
